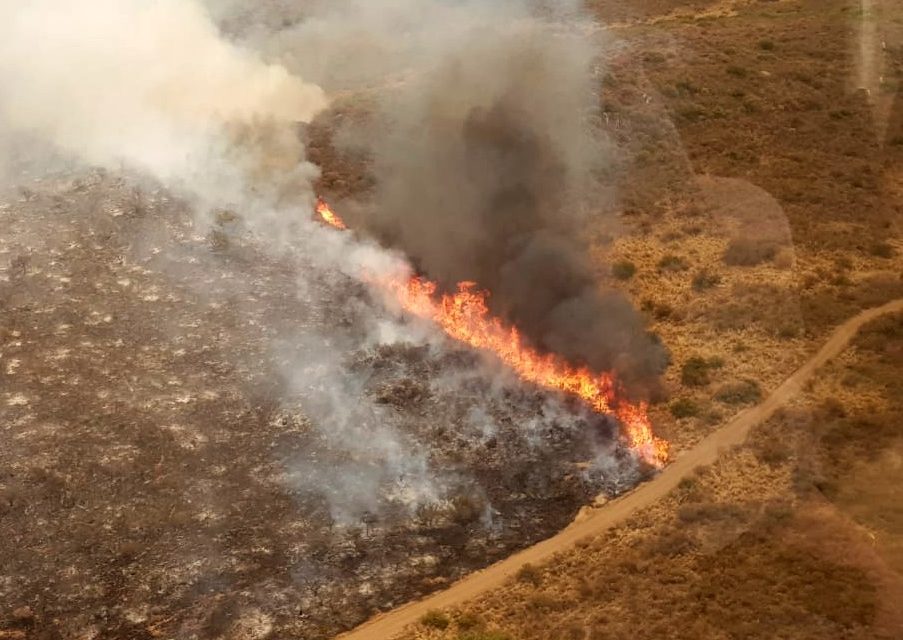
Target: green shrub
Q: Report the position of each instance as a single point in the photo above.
(435, 620)
(766, 45)
(623, 269)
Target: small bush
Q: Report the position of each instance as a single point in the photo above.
(766, 45)
(695, 372)
(623, 269)
(737, 72)
(736, 393)
(467, 621)
(529, 573)
(882, 250)
(543, 602)
(771, 451)
(684, 408)
(690, 113)
(662, 311)
(704, 280)
(435, 620)
(788, 331)
(672, 263)
(710, 511)
(748, 252)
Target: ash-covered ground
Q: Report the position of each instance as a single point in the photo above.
(203, 440)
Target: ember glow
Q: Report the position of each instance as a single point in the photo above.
(465, 317)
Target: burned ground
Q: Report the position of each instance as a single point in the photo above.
(162, 476)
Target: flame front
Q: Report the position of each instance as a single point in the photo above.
(328, 215)
(465, 317)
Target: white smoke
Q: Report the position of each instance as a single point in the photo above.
(151, 85)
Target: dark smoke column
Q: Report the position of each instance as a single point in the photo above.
(483, 166)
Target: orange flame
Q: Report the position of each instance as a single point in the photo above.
(465, 316)
(328, 215)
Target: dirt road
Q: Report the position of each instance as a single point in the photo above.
(388, 625)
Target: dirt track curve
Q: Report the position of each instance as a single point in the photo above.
(388, 625)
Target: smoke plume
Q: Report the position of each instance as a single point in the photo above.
(486, 164)
(154, 87)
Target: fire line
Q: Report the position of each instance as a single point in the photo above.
(465, 317)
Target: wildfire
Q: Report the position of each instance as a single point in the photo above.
(465, 317)
(328, 215)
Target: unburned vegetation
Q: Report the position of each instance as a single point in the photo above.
(792, 535)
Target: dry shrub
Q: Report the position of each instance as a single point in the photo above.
(704, 280)
(684, 408)
(695, 371)
(740, 392)
(623, 269)
(670, 543)
(435, 620)
(672, 263)
(709, 511)
(542, 602)
(530, 574)
(774, 309)
(748, 252)
(484, 635)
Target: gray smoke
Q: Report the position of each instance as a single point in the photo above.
(485, 162)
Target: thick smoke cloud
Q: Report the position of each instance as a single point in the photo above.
(485, 164)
